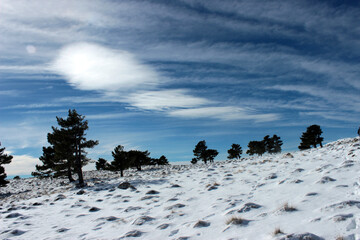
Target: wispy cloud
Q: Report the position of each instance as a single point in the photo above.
(223, 113)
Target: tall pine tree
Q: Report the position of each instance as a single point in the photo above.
(68, 144)
(311, 137)
(4, 159)
(235, 151)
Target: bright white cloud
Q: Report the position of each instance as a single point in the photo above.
(223, 113)
(21, 165)
(165, 99)
(93, 67)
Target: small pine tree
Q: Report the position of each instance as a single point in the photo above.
(138, 158)
(256, 147)
(49, 164)
(201, 153)
(102, 164)
(4, 159)
(272, 144)
(121, 160)
(162, 161)
(235, 151)
(311, 137)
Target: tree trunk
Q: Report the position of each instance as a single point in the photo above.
(69, 173)
(78, 165)
(121, 172)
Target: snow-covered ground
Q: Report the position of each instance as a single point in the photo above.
(315, 191)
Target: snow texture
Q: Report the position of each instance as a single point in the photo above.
(312, 194)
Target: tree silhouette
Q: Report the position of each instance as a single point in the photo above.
(4, 159)
(49, 164)
(68, 143)
(121, 160)
(201, 153)
(272, 144)
(256, 147)
(102, 164)
(235, 151)
(138, 158)
(311, 137)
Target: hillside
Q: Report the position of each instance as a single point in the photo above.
(314, 191)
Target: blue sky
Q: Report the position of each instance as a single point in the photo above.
(163, 75)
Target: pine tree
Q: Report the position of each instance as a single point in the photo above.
(48, 160)
(138, 158)
(311, 137)
(277, 144)
(235, 151)
(162, 161)
(256, 147)
(4, 159)
(272, 144)
(68, 143)
(102, 164)
(201, 153)
(121, 160)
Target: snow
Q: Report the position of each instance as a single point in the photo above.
(314, 191)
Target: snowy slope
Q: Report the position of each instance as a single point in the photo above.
(321, 187)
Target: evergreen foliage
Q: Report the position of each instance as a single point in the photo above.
(311, 137)
(102, 164)
(138, 158)
(68, 144)
(49, 164)
(160, 161)
(272, 144)
(201, 153)
(4, 159)
(235, 151)
(256, 147)
(121, 161)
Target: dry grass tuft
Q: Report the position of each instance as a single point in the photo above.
(277, 231)
(288, 208)
(235, 220)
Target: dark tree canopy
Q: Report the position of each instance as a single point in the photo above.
(68, 144)
(256, 147)
(201, 153)
(160, 161)
(102, 164)
(272, 144)
(235, 151)
(49, 166)
(4, 159)
(121, 160)
(312, 137)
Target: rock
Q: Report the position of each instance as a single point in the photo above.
(61, 230)
(342, 217)
(81, 192)
(326, 179)
(131, 208)
(311, 194)
(126, 185)
(302, 236)
(60, 197)
(111, 219)
(175, 186)
(344, 204)
(297, 181)
(94, 209)
(148, 197)
(134, 233)
(152, 192)
(298, 170)
(175, 206)
(271, 176)
(142, 220)
(17, 232)
(248, 207)
(13, 215)
(288, 155)
(163, 226)
(201, 224)
(37, 204)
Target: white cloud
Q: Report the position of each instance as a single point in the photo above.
(165, 99)
(223, 113)
(93, 67)
(21, 165)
